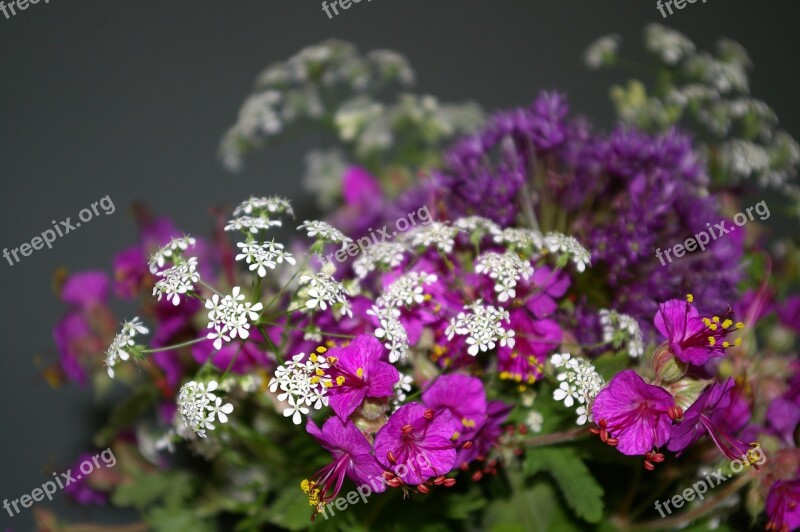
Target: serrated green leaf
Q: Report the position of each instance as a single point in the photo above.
(580, 489)
(529, 509)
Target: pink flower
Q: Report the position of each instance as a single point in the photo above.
(690, 337)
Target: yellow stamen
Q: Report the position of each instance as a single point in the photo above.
(321, 349)
(738, 341)
(469, 423)
(713, 327)
(726, 344)
(716, 319)
(727, 323)
(339, 380)
(504, 375)
(360, 373)
(739, 325)
(332, 360)
(320, 372)
(455, 436)
(314, 380)
(706, 322)
(327, 384)
(711, 340)
(690, 298)
(514, 354)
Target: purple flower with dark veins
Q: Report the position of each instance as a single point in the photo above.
(461, 395)
(708, 415)
(690, 337)
(357, 372)
(417, 443)
(352, 457)
(634, 413)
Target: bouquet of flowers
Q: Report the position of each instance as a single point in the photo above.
(481, 333)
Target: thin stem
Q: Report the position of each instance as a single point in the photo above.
(557, 437)
(233, 360)
(176, 346)
(291, 279)
(203, 283)
(323, 333)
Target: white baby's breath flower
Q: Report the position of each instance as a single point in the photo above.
(199, 407)
(477, 226)
(569, 248)
(170, 252)
(670, 45)
(302, 384)
(436, 234)
(579, 383)
(263, 256)
(252, 224)
(407, 290)
(506, 269)
(483, 327)
(524, 241)
(228, 317)
(324, 232)
(123, 344)
(382, 256)
(622, 329)
(391, 331)
(177, 280)
(321, 291)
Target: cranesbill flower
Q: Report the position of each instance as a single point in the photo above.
(783, 506)
(489, 433)
(418, 442)
(707, 416)
(356, 373)
(634, 412)
(690, 337)
(463, 396)
(352, 457)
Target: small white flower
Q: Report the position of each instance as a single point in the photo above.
(325, 232)
(569, 248)
(391, 331)
(268, 205)
(383, 256)
(579, 382)
(177, 280)
(566, 392)
(483, 327)
(199, 406)
(252, 224)
(295, 410)
(534, 421)
(622, 329)
(602, 51)
(228, 317)
(263, 256)
(169, 253)
(524, 241)
(477, 226)
(123, 343)
(436, 234)
(407, 290)
(322, 291)
(506, 269)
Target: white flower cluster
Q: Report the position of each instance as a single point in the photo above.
(506, 270)
(436, 234)
(525, 241)
(579, 382)
(477, 226)
(401, 389)
(569, 248)
(303, 385)
(228, 317)
(323, 176)
(483, 327)
(382, 256)
(269, 205)
(325, 232)
(324, 291)
(177, 280)
(619, 329)
(407, 290)
(169, 253)
(391, 331)
(199, 406)
(602, 52)
(670, 45)
(252, 224)
(123, 343)
(263, 256)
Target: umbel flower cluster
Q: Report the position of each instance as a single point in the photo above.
(519, 350)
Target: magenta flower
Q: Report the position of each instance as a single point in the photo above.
(417, 443)
(690, 337)
(783, 506)
(709, 415)
(352, 457)
(549, 286)
(461, 395)
(634, 412)
(487, 436)
(357, 372)
(534, 339)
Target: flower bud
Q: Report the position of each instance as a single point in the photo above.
(686, 391)
(667, 367)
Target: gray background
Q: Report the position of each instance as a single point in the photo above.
(130, 98)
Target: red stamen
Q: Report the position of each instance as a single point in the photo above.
(423, 488)
(407, 429)
(449, 482)
(428, 414)
(391, 458)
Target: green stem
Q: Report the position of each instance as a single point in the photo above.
(176, 346)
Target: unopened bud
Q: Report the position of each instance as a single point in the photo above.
(667, 367)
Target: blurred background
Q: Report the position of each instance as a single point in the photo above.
(130, 99)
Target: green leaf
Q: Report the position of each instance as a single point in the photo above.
(174, 520)
(580, 489)
(147, 488)
(530, 509)
(609, 364)
(290, 510)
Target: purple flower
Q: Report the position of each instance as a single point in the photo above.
(718, 413)
(80, 491)
(534, 339)
(417, 444)
(634, 412)
(550, 286)
(487, 436)
(357, 373)
(461, 395)
(789, 313)
(130, 272)
(783, 506)
(691, 338)
(352, 456)
(85, 289)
